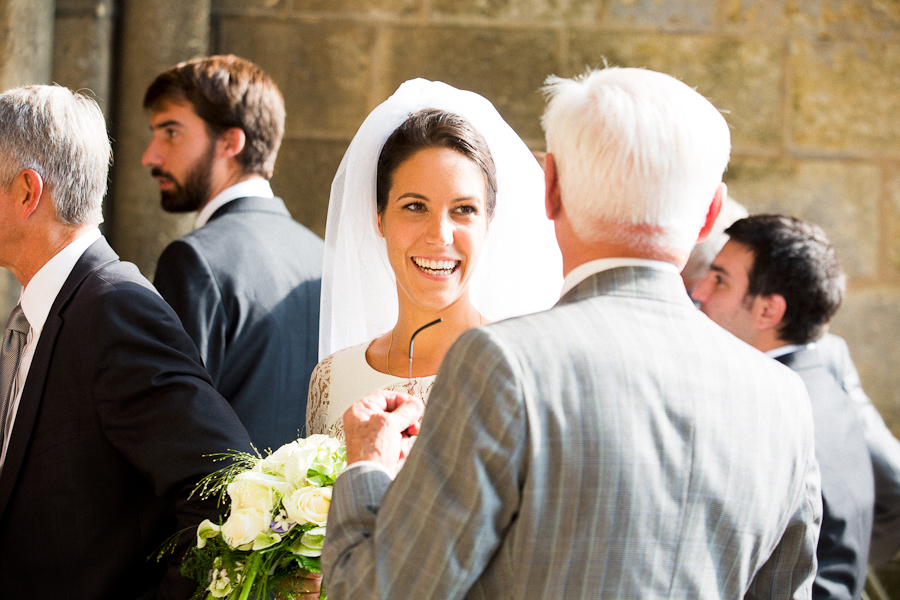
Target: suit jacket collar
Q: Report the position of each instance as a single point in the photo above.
(99, 254)
(252, 204)
(631, 282)
(803, 359)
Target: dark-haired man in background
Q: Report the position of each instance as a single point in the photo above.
(884, 448)
(246, 281)
(775, 284)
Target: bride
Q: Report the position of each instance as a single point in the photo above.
(436, 212)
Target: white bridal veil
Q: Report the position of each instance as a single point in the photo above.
(520, 269)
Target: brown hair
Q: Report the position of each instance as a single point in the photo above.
(794, 259)
(228, 91)
(433, 128)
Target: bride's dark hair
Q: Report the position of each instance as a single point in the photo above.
(433, 128)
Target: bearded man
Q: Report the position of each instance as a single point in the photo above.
(246, 281)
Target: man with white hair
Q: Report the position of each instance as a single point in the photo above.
(107, 416)
(618, 445)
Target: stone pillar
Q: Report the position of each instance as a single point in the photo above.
(83, 48)
(82, 55)
(26, 42)
(155, 34)
(26, 50)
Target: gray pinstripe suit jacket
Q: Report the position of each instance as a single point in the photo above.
(620, 445)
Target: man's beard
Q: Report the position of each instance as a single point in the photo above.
(194, 192)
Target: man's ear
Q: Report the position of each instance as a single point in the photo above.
(552, 197)
(232, 141)
(28, 189)
(768, 311)
(380, 226)
(714, 209)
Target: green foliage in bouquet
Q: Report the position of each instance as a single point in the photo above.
(276, 523)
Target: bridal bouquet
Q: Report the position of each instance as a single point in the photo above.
(276, 525)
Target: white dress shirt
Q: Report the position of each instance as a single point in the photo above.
(36, 299)
(787, 349)
(583, 271)
(251, 188)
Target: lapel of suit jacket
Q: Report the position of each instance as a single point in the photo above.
(631, 282)
(252, 204)
(97, 255)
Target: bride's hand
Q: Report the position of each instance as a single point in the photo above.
(378, 427)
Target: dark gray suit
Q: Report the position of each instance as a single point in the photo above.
(115, 423)
(246, 286)
(848, 487)
(884, 449)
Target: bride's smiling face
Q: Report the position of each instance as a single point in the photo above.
(435, 224)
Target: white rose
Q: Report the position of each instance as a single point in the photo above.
(309, 505)
(314, 441)
(282, 453)
(298, 463)
(274, 463)
(256, 490)
(243, 525)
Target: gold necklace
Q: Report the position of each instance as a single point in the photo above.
(391, 344)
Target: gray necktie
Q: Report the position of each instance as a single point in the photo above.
(10, 355)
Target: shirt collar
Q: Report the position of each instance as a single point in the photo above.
(583, 271)
(251, 188)
(787, 349)
(39, 295)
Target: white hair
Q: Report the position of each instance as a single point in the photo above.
(62, 136)
(639, 156)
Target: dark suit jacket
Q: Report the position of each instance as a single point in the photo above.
(116, 417)
(246, 286)
(884, 449)
(848, 486)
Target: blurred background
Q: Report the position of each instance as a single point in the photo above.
(811, 89)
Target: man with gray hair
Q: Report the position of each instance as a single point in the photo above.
(106, 413)
(619, 445)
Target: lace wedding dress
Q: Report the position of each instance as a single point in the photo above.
(345, 377)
